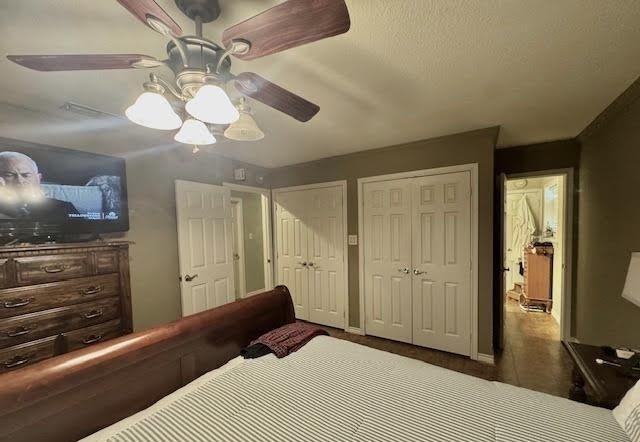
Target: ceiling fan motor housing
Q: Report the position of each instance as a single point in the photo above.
(202, 56)
(206, 10)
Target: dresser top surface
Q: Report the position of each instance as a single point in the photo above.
(23, 247)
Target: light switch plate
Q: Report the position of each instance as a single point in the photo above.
(353, 240)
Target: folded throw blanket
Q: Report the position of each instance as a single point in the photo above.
(289, 338)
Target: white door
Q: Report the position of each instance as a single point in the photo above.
(291, 248)
(204, 246)
(237, 248)
(325, 263)
(441, 272)
(387, 259)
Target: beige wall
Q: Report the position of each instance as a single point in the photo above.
(609, 224)
(152, 210)
(470, 147)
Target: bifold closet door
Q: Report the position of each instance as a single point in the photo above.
(325, 256)
(387, 259)
(291, 248)
(441, 211)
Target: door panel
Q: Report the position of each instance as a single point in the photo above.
(441, 240)
(291, 247)
(325, 250)
(204, 242)
(387, 251)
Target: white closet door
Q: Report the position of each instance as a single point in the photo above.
(204, 245)
(442, 262)
(291, 247)
(387, 253)
(325, 256)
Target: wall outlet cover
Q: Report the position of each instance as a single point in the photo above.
(353, 240)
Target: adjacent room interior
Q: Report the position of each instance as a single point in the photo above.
(319, 220)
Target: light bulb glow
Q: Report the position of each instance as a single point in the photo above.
(245, 129)
(212, 105)
(194, 132)
(152, 110)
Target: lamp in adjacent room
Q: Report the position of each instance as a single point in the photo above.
(194, 132)
(631, 291)
(152, 110)
(246, 128)
(211, 104)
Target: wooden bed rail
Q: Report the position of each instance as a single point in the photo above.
(74, 395)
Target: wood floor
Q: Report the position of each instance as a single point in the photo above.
(533, 356)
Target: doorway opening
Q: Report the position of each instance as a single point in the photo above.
(536, 279)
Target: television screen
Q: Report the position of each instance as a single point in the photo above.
(47, 189)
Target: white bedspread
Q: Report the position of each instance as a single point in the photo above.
(334, 390)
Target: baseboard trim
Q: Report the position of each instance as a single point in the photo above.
(355, 331)
(487, 359)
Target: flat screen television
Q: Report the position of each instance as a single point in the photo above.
(51, 192)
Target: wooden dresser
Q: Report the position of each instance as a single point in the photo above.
(538, 278)
(56, 298)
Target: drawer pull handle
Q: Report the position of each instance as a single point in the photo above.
(16, 361)
(55, 268)
(93, 314)
(13, 303)
(91, 290)
(92, 339)
(20, 331)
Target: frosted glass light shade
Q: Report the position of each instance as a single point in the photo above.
(154, 111)
(245, 129)
(194, 132)
(212, 105)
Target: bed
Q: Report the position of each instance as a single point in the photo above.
(330, 390)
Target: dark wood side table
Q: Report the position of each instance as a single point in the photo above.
(595, 384)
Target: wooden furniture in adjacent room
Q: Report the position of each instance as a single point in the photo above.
(602, 385)
(538, 278)
(56, 298)
(74, 395)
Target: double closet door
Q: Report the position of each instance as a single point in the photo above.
(417, 260)
(310, 252)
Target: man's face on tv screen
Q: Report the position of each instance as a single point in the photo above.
(19, 173)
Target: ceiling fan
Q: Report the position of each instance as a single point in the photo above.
(202, 68)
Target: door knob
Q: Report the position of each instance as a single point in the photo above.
(303, 263)
(417, 272)
(404, 270)
(190, 278)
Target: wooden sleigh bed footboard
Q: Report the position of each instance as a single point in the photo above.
(74, 395)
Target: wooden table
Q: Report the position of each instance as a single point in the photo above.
(595, 384)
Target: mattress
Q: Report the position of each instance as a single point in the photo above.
(334, 390)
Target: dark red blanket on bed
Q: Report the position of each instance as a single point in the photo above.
(289, 338)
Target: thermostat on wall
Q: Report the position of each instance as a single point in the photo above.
(240, 174)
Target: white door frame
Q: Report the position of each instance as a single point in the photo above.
(239, 226)
(567, 275)
(267, 228)
(473, 169)
(345, 247)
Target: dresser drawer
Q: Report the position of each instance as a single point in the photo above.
(21, 300)
(32, 326)
(107, 262)
(20, 355)
(85, 337)
(37, 269)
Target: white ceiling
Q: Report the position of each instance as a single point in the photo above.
(407, 70)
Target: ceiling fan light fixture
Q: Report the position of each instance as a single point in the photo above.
(194, 132)
(245, 129)
(212, 105)
(152, 110)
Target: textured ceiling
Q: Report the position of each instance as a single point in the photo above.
(407, 70)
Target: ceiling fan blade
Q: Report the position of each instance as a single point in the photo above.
(254, 86)
(289, 24)
(143, 9)
(81, 62)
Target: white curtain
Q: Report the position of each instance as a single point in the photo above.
(524, 226)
